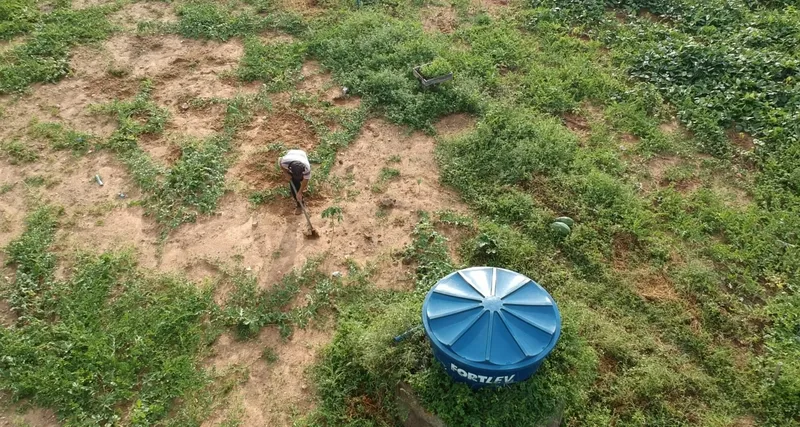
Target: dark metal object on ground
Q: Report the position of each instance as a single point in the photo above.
(428, 82)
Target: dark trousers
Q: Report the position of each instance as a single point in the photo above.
(295, 184)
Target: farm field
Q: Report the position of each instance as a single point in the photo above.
(154, 271)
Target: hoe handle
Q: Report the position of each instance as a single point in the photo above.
(302, 206)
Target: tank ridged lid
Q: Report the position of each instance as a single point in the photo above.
(492, 315)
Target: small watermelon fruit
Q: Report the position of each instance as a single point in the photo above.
(566, 220)
(560, 228)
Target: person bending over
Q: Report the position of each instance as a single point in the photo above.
(297, 168)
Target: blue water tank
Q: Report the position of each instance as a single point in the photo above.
(490, 326)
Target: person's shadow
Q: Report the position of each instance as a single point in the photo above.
(286, 253)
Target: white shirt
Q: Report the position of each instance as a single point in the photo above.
(296, 156)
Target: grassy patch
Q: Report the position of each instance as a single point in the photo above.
(203, 19)
(276, 64)
(44, 56)
(360, 370)
(248, 308)
(61, 138)
(384, 177)
(18, 152)
(140, 361)
(145, 364)
(6, 187)
(379, 69)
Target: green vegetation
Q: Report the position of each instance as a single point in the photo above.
(44, 55)
(6, 187)
(141, 359)
(269, 355)
(249, 308)
(521, 168)
(384, 177)
(195, 183)
(18, 152)
(333, 214)
(61, 138)
(668, 131)
(438, 67)
(275, 64)
(215, 21)
(372, 54)
(142, 334)
(35, 181)
(362, 361)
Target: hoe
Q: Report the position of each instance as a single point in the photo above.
(312, 233)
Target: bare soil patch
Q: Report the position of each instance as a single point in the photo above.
(577, 124)
(742, 140)
(85, 4)
(287, 128)
(182, 70)
(303, 7)
(256, 164)
(6, 45)
(495, 8)
(652, 17)
(670, 128)
(378, 224)
(318, 82)
(746, 421)
(194, 122)
(166, 149)
(7, 316)
(201, 271)
(628, 141)
(608, 364)
(95, 217)
(439, 18)
(656, 287)
(580, 122)
(258, 169)
(65, 102)
(13, 207)
(455, 125)
(658, 167)
(268, 37)
(13, 416)
(273, 392)
(147, 11)
(122, 228)
(231, 234)
(647, 283)
(169, 56)
(732, 194)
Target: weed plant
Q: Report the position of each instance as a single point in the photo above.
(18, 152)
(61, 138)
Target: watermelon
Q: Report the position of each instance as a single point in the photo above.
(566, 220)
(560, 228)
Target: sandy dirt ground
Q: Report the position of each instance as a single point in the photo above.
(20, 416)
(378, 214)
